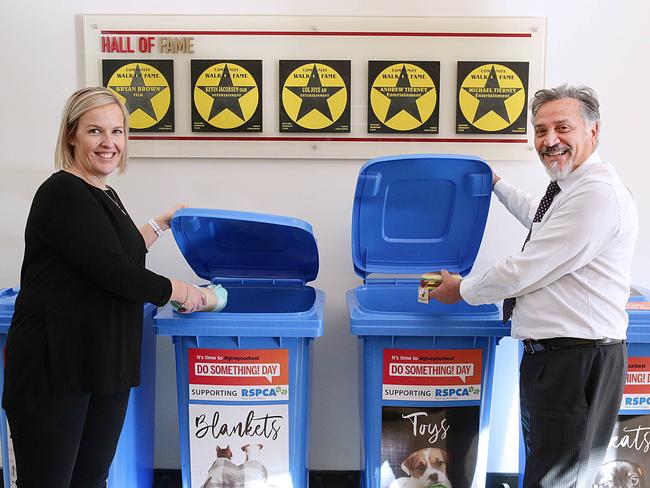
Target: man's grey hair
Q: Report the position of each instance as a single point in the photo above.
(585, 95)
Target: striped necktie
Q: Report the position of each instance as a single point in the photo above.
(552, 190)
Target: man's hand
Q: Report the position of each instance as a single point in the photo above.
(449, 290)
(495, 179)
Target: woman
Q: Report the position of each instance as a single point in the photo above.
(73, 349)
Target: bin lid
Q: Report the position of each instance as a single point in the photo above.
(231, 245)
(420, 212)
(7, 305)
(638, 307)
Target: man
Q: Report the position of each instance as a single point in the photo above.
(568, 286)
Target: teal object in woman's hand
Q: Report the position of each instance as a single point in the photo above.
(214, 305)
(222, 298)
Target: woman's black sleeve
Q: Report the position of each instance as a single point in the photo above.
(69, 218)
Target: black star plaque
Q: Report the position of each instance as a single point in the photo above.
(403, 96)
(138, 95)
(147, 90)
(226, 95)
(314, 95)
(492, 97)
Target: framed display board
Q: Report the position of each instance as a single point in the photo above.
(320, 87)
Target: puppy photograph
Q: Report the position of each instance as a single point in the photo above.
(620, 474)
(429, 447)
(225, 453)
(225, 474)
(627, 460)
(424, 468)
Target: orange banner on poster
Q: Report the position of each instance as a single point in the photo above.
(238, 367)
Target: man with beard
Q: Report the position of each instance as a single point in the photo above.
(566, 292)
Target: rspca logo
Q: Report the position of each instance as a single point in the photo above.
(635, 402)
(256, 392)
(260, 393)
(472, 392)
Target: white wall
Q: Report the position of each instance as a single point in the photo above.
(600, 43)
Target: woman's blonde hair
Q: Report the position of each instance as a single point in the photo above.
(78, 104)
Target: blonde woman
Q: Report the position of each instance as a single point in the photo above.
(73, 349)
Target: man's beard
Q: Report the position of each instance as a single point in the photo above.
(558, 173)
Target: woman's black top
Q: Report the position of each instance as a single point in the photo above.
(77, 325)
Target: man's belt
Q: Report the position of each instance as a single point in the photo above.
(532, 346)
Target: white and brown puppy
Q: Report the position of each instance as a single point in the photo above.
(252, 451)
(424, 468)
(255, 472)
(619, 474)
(226, 474)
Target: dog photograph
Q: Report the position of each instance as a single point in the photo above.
(424, 468)
(428, 447)
(223, 454)
(619, 474)
(627, 460)
(225, 474)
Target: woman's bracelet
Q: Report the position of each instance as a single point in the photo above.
(187, 295)
(156, 228)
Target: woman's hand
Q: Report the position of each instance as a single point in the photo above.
(155, 227)
(164, 219)
(210, 300)
(196, 300)
(189, 297)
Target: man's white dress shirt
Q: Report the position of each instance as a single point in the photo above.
(573, 277)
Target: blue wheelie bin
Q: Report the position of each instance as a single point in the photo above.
(133, 463)
(7, 303)
(627, 462)
(426, 369)
(243, 374)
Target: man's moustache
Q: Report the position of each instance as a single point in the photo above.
(557, 147)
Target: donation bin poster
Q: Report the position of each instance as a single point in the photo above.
(238, 374)
(627, 462)
(315, 96)
(636, 395)
(239, 446)
(147, 90)
(429, 447)
(492, 97)
(13, 473)
(432, 375)
(403, 96)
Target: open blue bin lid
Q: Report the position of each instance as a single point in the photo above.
(7, 306)
(226, 245)
(419, 213)
(639, 318)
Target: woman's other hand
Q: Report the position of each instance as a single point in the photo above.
(190, 298)
(196, 300)
(164, 219)
(210, 300)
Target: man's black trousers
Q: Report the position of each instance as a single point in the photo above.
(569, 404)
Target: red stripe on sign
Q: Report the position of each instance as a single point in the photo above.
(320, 139)
(318, 33)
